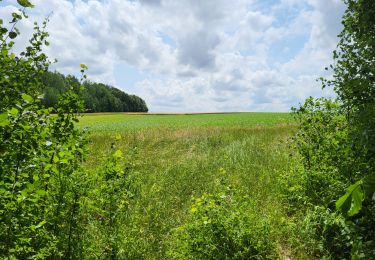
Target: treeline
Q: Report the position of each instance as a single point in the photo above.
(98, 97)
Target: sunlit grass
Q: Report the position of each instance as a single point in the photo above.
(119, 122)
(172, 158)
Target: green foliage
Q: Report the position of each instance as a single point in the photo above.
(326, 234)
(107, 209)
(323, 158)
(335, 144)
(351, 202)
(219, 228)
(40, 155)
(25, 3)
(354, 80)
(49, 205)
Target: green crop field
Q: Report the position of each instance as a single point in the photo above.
(171, 159)
(119, 122)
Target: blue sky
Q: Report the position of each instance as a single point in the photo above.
(188, 55)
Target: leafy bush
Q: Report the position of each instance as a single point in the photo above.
(219, 228)
(335, 146)
(325, 164)
(326, 234)
(40, 155)
(323, 150)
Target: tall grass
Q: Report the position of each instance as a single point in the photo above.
(170, 165)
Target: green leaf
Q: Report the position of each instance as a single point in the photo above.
(47, 167)
(56, 159)
(40, 192)
(24, 193)
(3, 119)
(369, 186)
(27, 98)
(117, 154)
(41, 224)
(36, 177)
(343, 203)
(83, 66)
(357, 199)
(25, 3)
(3, 31)
(12, 35)
(14, 111)
(351, 202)
(16, 16)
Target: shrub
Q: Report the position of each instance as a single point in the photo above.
(335, 144)
(326, 234)
(219, 228)
(41, 182)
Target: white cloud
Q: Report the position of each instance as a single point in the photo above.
(212, 55)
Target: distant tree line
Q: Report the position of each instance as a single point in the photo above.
(98, 97)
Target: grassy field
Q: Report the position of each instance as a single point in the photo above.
(172, 158)
(120, 122)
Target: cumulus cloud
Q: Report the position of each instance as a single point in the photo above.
(211, 55)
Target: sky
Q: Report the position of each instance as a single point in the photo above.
(194, 55)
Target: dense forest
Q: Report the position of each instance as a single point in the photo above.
(98, 97)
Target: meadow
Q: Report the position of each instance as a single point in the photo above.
(171, 160)
(122, 122)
